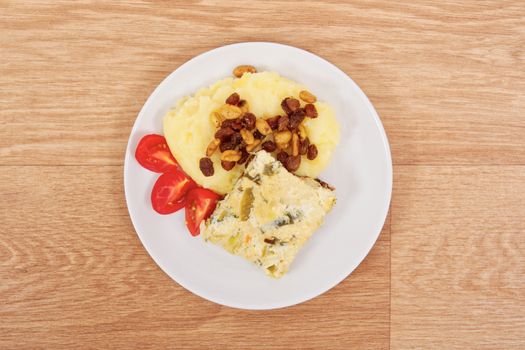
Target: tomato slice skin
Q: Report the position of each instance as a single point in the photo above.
(168, 194)
(154, 154)
(200, 204)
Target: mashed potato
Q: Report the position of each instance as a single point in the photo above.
(188, 128)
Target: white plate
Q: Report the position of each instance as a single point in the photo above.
(361, 171)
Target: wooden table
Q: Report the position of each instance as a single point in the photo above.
(447, 79)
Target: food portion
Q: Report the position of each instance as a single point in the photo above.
(168, 193)
(269, 214)
(200, 203)
(154, 154)
(213, 133)
(240, 133)
(174, 190)
(259, 139)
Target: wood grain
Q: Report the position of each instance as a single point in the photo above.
(446, 77)
(458, 257)
(448, 80)
(74, 274)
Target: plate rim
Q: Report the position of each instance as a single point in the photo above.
(370, 108)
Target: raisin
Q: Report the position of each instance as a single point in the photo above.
(292, 163)
(257, 135)
(285, 108)
(224, 133)
(227, 165)
(270, 240)
(248, 120)
(241, 103)
(236, 124)
(312, 152)
(244, 156)
(226, 146)
(290, 104)
(273, 122)
(227, 123)
(282, 156)
(283, 123)
(296, 118)
(269, 146)
(233, 99)
(206, 166)
(303, 146)
(310, 110)
(236, 139)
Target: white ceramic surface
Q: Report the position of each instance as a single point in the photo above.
(361, 171)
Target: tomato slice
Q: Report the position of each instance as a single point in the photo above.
(200, 203)
(168, 192)
(154, 154)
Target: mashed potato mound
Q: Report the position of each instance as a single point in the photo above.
(188, 128)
